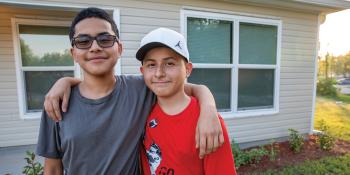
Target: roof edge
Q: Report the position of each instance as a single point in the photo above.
(337, 4)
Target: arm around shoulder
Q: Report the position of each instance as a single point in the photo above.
(208, 132)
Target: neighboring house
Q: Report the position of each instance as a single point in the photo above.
(257, 56)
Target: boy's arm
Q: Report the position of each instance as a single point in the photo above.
(209, 135)
(220, 161)
(53, 167)
(59, 91)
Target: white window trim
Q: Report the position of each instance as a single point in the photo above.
(235, 66)
(20, 69)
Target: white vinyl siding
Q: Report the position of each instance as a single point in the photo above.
(298, 51)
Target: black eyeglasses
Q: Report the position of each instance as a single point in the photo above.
(85, 41)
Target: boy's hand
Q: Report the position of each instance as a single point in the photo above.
(209, 135)
(59, 91)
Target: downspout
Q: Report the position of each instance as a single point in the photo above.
(320, 20)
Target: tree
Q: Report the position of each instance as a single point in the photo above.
(28, 57)
(334, 65)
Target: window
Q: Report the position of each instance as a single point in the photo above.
(237, 57)
(42, 57)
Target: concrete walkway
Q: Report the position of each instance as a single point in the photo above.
(12, 159)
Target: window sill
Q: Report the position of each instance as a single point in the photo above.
(245, 114)
(31, 116)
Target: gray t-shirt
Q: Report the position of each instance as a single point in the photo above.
(99, 136)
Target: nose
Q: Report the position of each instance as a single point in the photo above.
(160, 72)
(94, 46)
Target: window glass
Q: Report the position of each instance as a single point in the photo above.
(257, 44)
(209, 40)
(44, 46)
(255, 89)
(37, 84)
(219, 83)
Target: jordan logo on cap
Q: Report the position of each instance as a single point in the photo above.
(178, 45)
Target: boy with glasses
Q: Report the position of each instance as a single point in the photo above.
(169, 147)
(101, 131)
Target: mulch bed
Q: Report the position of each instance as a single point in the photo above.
(285, 156)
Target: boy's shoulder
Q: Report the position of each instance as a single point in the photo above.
(194, 102)
(131, 82)
(130, 78)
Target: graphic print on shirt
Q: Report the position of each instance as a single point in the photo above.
(154, 156)
(153, 123)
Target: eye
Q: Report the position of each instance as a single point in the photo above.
(170, 64)
(151, 65)
(105, 39)
(82, 40)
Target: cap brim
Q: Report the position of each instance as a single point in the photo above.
(141, 53)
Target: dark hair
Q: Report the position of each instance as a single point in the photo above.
(92, 12)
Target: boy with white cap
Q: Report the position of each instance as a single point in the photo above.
(169, 147)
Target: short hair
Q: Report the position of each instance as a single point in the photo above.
(92, 12)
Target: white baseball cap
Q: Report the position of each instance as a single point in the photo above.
(163, 37)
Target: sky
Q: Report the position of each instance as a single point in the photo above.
(334, 34)
(41, 44)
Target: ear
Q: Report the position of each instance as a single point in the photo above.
(72, 53)
(189, 68)
(141, 69)
(120, 47)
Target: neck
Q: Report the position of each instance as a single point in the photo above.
(94, 87)
(174, 104)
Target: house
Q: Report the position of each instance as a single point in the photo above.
(258, 57)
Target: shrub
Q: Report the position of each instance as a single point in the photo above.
(256, 154)
(238, 155)
(325, 87)
(247, 157)
(273, 151)
(325, 141)
(32, 167)
(296, 141)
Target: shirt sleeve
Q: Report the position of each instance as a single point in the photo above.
(49, 140)
(221, 161)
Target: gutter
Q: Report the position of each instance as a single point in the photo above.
(320, 20)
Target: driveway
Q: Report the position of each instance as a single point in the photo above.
(12, 159)
(344, 89)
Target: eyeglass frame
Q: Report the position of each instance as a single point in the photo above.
(93, 38)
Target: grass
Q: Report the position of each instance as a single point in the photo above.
(336, 114)
(340, 97)
(329, 165)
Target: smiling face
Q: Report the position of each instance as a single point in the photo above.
(96, 60)
(165, 72)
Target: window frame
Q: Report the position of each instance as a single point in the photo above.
(235, 66)
(20, 69)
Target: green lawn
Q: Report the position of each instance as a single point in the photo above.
(336, 114)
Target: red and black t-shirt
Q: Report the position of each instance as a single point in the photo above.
(169, 145)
